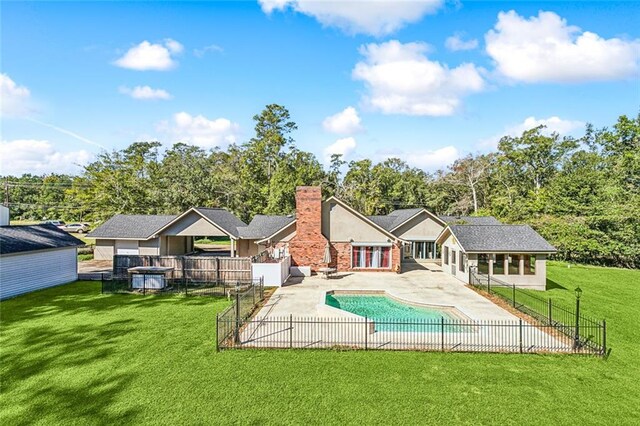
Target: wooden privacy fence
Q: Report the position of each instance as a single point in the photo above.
(192, 268)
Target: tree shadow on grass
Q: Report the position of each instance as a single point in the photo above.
(43, 367)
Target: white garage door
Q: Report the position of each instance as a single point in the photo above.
(25, 272)
(127, 247)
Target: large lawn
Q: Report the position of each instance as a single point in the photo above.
(72, 356)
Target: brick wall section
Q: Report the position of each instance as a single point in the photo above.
(307, 246)
(341, 258)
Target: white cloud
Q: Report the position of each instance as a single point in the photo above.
(345, 122)
(457, 42)
(401, 80)
(201, 131)
(553, 124)
(147, 56)
(145, 93)
(211, 48)
(374, 17)
(344, 146)
(546, 48)
(14, 99)
(39, 157)
(429, 160)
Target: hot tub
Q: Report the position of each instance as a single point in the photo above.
(149, 277)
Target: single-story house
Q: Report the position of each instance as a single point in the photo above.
(33, 257)
(515, 254)
(160, 235)
(265, 232)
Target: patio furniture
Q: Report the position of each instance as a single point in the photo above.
(326, 272)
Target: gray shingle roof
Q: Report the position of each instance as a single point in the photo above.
(470, 220)
(395, 218)
(263, 226)
(18, 239)
(139, 226)
(223, 218)
(500, 238)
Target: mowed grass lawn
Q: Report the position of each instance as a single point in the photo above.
(73, 356)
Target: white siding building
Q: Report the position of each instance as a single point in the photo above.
(36, 257)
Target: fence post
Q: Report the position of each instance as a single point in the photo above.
(237, 328)
(290, 331)
(217, 270)
(217, 334)
(366, 334)
(253, 288)
(184, 277)
(513, 292)
(604, 337)
(102, 283)
(144, 284)
(186, 285)
(520, 335)
(442, 334)
(488, 283)
(550, 311)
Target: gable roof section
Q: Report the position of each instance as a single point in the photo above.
(223, 219)
(25, 238)
(498, 238)
(134, 227)
(470, 220)
(263, 226)
(364, 218)
(397, 218)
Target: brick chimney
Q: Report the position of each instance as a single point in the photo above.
(307, 246)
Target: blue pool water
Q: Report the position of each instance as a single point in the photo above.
(391, 315)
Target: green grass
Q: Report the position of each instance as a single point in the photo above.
(85, 256)
(72, 356)
(213, 240)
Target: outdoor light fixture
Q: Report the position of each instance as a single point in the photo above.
(578, 292)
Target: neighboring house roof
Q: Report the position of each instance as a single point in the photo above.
(137, 227)
(498, 238)
(223, 219)
(25, 238)
(399, 217)
(366, 219)
(470, 220)
(262, 226)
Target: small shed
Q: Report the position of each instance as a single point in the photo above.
(33, 257)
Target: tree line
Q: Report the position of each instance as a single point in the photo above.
(582, 194)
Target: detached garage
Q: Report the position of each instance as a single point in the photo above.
(35, 257)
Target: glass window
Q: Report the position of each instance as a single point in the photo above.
(453, 257)
(372, 257)
(483, 264)
(529, 264)
(446, 255)
(498, 264)
(514, 264)
(463, 261)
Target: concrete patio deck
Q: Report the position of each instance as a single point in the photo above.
(296, 316)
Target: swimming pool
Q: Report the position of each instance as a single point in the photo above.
(392, 315)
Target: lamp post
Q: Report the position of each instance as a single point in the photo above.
(576, 342)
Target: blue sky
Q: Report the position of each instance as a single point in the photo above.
(425, 81)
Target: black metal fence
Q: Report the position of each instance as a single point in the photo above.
(179, 286)
(586, 332)
(443, 335)
(230, 321)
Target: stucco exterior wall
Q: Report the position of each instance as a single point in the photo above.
(454, 270)
(247, 248)
(177, 245)
(150, 247)
(104, 249)
(340, 225)
(193, 225)
(421, 228)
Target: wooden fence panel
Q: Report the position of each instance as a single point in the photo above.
(193, 268)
